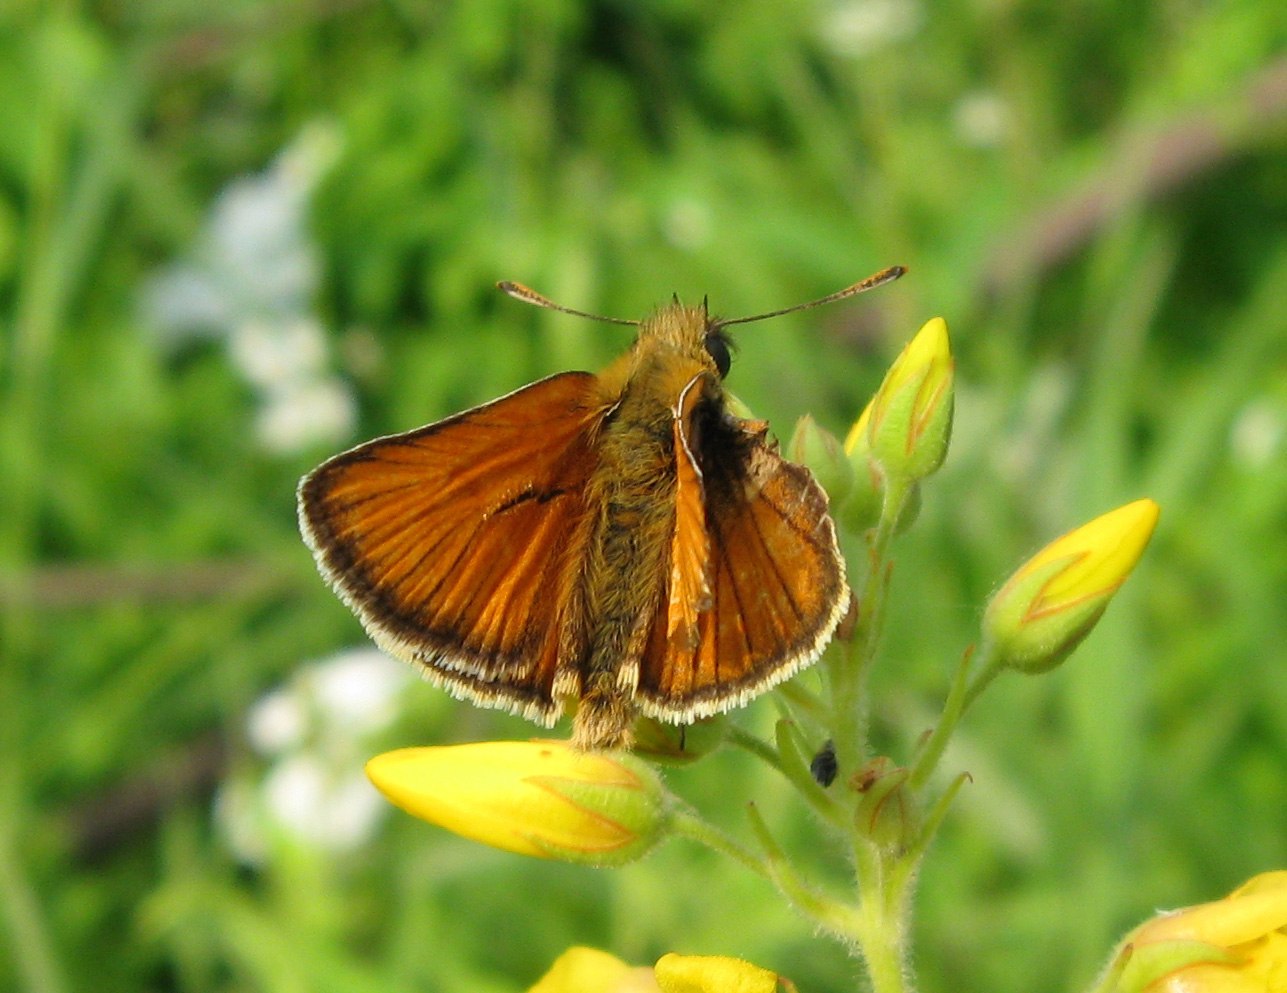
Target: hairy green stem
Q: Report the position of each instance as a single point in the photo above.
(688, 824)
(931, 749)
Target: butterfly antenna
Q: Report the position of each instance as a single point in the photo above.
(862, 286)
(520, 292)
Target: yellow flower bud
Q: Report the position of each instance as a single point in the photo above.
(1234, 945)
(539, 798)
(857, 441)
(911, 414)
(588, 970)
(819, 449)
(1050, 604)
(712, 974)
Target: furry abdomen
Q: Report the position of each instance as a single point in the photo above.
(631, 498)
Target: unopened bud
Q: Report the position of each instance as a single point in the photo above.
(885, 807)
(539, 798)
(816, 447)
(1051, 603)
(911, 414)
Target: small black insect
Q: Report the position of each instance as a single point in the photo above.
(824, 767)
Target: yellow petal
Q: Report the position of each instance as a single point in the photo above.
(1234, 945)
(1250, 912)
(588, 970)
(857, 435)
(1100, 554)
(930, 346)
(712, 974)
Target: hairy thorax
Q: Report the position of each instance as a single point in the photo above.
(634, 508)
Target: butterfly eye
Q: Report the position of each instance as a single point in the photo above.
(717, 348)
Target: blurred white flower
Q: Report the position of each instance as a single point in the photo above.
(332, 810)
(359, 689)
(251, 280)
(315, 731)
(185, 302)
(302, 414)
(255, 260)
(258, 247)
(860, 27)
(981, 119)
(271, 354)
(277, 722)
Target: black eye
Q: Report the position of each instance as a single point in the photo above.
(717, 349)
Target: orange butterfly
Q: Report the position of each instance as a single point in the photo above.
(619, 540)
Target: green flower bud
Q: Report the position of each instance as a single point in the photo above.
(885, 807)
(820, 450)
(678, 744)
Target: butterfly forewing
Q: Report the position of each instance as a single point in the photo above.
(453, 542)
(776, 578)
(689, 592)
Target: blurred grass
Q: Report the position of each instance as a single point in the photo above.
(1093, 195)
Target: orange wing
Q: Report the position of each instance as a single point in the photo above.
(455, 543)
(688, 594)
(769, 593)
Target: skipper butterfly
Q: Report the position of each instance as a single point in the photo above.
(621, 541)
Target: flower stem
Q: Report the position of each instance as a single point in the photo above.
(879, 931)
(931, 749)
(849, 672)
(875, 924)
(988, 671)
(758, 747)
(691, 826)
(838, 918)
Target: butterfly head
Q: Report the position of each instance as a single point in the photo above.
(690, 332)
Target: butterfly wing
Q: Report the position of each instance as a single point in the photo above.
(757, 582)
(455, 543)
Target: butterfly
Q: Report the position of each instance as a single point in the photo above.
(620, 543)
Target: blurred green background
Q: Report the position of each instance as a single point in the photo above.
(235, 239)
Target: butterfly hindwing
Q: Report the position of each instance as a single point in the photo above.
(770, 588)
(451, 541)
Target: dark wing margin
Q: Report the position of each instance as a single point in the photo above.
(453, 543)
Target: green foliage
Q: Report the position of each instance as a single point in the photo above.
(1091, 194)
